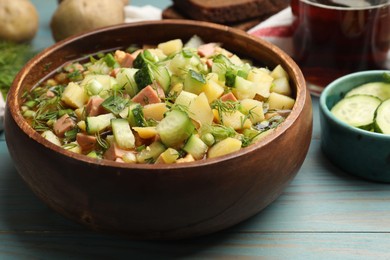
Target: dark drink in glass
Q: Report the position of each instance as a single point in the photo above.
(336, 37)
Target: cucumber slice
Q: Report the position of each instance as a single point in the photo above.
(377, 89)
(196, 147)
(96, 124)
(194, 82)
(175, 128)
(151, 153)
(357, 110)
(125, 78)
(136, 115)
(123, 135)
(161, 75)
(115, 104)
(382, 118)
(143, 77)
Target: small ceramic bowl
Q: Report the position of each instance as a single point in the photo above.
(359, 152)
(157, 201)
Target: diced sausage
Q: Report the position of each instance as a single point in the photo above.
(86, 142)
(114, 152)
(209, 63)
(124, 59)
(147, 95)
(207, 50)
(50, 94)
(229, 97)
(114, 72)
(93, 107)
(63, 124)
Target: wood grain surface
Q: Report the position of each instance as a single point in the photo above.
(324, 214)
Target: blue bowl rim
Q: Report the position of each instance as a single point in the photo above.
(334, 85)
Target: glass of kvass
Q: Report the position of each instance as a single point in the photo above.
(333, 38)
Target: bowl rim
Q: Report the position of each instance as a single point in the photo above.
(300, 100)
(334, 85)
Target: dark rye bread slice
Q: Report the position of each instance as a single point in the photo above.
(228, 11)
(172, 13)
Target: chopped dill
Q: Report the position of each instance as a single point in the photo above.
(103, 143)
(12, 58)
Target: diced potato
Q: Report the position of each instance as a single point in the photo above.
(51, 137)
(110, 139)
(262, 90)
(159, 53)
(129, 157)
(74, 96)
(185, 98)
(223, 51)
(279, 101)
(146, 132)
(259, 75)
(155, 111)
(213, 90)
(73, 147)
(226, 146)
(262, 81)
(236, 60)
(187, 158)
(80, 113)
(106, 81)
(236, 120)
(243, 88)
(171, 46)
(281, 86)
(170, 155)
(176, 88)
(200, 110)
(254, 109)
(279, 72)
(82, 125)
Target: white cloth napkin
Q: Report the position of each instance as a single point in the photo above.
(142, 13)
(277, 29)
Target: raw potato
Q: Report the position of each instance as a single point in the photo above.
(125, 2)
(18, 19)
(78, 16)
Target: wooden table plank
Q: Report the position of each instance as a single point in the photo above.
(321, 198)
(324, 214)
(229, 246)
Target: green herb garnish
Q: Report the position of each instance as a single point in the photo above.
(12, 58)
(115, 104)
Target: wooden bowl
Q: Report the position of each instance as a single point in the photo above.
(159, 201)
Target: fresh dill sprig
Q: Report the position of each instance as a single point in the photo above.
(103, 143)
(224, 107)
(12, 58)
(47, 110)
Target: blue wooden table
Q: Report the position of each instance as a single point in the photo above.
(323, 214)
